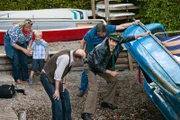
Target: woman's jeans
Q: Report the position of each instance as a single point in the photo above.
(20, 65)
(61, 109)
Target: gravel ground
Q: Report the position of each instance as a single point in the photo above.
(132, 100)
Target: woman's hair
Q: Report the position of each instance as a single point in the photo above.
(101, 27)
(37, 32)
(26, 23)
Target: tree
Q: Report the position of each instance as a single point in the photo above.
(165, 12)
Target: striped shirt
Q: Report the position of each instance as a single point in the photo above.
(39, 48)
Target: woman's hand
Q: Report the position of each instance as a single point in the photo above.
(56, 95)
(27, 52)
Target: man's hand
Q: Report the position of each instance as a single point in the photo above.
(64, 86)
(135, 22)
(143, 35)
(112, 73)
(147, 33)
(56, 95)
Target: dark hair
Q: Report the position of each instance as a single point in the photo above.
(101, 27)
(76, 55)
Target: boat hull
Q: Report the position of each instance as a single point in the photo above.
(58, 35)
(55, 30)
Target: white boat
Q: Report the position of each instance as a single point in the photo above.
(55, 30)
(118, 15)
(63, 13)
(115, 6)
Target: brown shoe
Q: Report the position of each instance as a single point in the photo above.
(80, 94)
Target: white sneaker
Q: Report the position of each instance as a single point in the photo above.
(153, 84)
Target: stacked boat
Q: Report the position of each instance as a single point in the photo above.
(117, 11)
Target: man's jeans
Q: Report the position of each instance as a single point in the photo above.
(20, 65)
(61, 109)
(84, 82)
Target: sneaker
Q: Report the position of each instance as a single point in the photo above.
(109, 106)
(153, 84)
(86, 116)
(30, 81)
(80, 94)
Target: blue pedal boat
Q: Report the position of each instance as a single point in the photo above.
(159, 67)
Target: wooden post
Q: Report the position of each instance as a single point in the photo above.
(93, 9)
(130, 62)
(106, 2)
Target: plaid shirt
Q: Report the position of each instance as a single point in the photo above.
(39, 48)
(17, 36)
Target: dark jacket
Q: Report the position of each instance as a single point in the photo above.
(100, 58)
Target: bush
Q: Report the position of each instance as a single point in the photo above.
(165, 12)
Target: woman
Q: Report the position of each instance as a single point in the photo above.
(17, 42)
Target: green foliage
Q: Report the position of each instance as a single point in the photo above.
(165, 12)
(43, 4)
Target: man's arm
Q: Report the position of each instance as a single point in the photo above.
(61, 63)
(142, 35)
(82, 44)
(126, 25)
(131, 38)
(27, 52)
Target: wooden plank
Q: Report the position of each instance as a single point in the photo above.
(85, 24)
(93, 9)
(123, 18)
(123, 54)
(107, 13)
(130, 62)
(122, 60)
